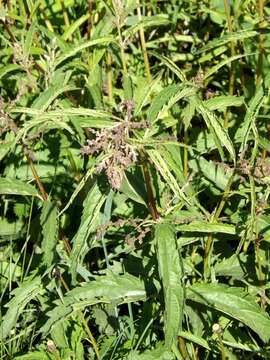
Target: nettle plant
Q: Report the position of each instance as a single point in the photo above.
(134, 182)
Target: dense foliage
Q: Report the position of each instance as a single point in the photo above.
(134, 214)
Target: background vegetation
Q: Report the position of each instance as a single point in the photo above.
(134, 215)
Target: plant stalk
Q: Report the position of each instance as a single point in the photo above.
(209, 243)
(261, 45)
(143, 44)
(232, 67)
(150, 194)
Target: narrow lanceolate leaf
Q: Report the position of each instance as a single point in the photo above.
(74, 26)
(167, 98)
(171, 65)
(21, 297)
(147, 21)
(222, 102)
(49, 224)
(212, 122)
(89, 222)
(160, 100)
(86, 44)
(142, 96)
(111, 288)
(204, 227)
(167, 175)
(235, 36)
(170, 271)
(251, 115)
(159, 353)
(222, 63)
(50, 94)
(17, 187)
(234, 302)
(9, 68)
(37, 355)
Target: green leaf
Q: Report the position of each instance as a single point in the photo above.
(160, 100)
(147, 21)
(91, 211)
(7, 144)
(49, 224)
(74, 26)
(37, 355)
(86, 44)
(169, 178)
(222, 102)
(29, 39)
(216, 174)
(54, 90)
(10, 229)
(234, 302)
(159, 353)
(195, 339)
(204, 227)
(111, 288)
(250, 117)
(143, 93)
(9, 68)
(222, 63)
(235, 36)
(232, 266)
(21, 297)
(170, 271)
(17, 187)
(167, 98)
(132, 187)
(171, 65)
(212, 122)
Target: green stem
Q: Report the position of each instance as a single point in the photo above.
(90, 20)
(143, 44)
(109, 77)
(186, 155)
(150, 194)
(209, 243)
(84, 322)
(261, 47)
(65, 14)
(232, 68)
(122, 49)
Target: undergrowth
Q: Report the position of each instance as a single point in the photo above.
(134, 188)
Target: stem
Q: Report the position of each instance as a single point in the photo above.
(143, 44)
(37, 178)
(261, 47)
(182, 348)
(109, 77)
(232, 69)
(47, 21)
(186, 155)
(222, 348)
(65, 14)
(90, 20)
(86, 327)
(13, 127)
(150, 194)
(89, 333)
(209, 243)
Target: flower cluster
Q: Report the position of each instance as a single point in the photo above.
(114, 143)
